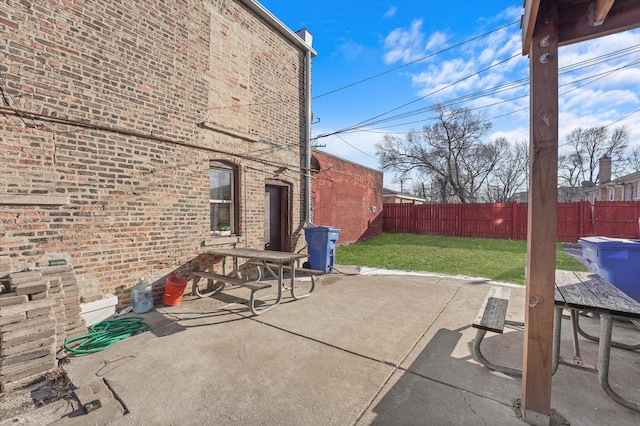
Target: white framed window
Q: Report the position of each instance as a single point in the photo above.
(611, 194)
(222, 198)
(637, 186)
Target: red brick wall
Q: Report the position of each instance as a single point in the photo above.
(343, 194)
(142, 75)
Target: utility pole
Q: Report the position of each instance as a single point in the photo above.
(401, 182)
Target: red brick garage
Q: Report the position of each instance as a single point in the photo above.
(346, 195)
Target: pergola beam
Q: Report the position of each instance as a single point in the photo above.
(528, 23)
(581, 20)
(601, 9)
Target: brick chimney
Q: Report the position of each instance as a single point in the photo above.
(605, 170)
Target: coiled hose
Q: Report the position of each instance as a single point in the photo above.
(104, 334)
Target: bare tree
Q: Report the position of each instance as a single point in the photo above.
(450, 153)
(570, 170)
(633, 160)
(585, 149)
(510, 173)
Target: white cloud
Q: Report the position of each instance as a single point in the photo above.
(391, 12)
(514, 135)
(437, 41)
(403, 44)
(348, 145)
(349, 49)
(594, 100)
(510, 14)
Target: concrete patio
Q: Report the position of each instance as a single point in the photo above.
(362, 350)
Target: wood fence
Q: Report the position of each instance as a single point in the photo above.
(509, 220)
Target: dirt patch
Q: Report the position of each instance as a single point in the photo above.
(53, 387)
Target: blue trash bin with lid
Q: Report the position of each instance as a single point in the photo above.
(321, 246)
(617, 260)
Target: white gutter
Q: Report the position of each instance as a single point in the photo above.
(278, 25)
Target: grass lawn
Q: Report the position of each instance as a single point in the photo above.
(501, 260)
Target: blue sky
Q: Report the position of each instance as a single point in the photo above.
(357, 40)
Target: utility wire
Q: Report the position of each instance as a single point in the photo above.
(379, 74)
(356, 148)
(512, 86)
(415, 61)
(370, 120)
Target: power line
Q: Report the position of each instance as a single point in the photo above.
(415, 61)
(375, 75)
(510, 86)
(356, 148)
(370, 120)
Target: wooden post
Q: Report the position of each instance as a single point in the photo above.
(542, 217)
(514, 220)
(581, 214)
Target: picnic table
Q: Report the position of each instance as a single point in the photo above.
(588, 292)
(577, 292)
(274, 263)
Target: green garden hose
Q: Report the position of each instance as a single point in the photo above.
(104, 334)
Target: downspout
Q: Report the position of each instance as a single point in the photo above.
(307, 38)
(307, 142)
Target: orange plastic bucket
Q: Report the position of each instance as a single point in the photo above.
(173, 290)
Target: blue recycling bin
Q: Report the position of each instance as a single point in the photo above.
(321, 246)
(617, 260)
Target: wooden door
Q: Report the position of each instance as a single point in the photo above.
(276, 217)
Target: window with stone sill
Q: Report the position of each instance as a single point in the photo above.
(222, 198)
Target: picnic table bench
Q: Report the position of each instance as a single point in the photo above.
(492, 317)
(274, 262)
(577, 292)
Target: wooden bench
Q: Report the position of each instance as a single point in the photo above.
(254, 286)
(492, 317)
(493, 311)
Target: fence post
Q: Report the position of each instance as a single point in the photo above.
(514, 220)
(581, 213)
(413, 216)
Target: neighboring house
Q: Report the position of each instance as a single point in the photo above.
(347, 196)
(520, 197)
(624, 188)
(135, 132)
(391, 196)
(566, 194)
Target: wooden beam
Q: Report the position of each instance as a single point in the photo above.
(528, 23)
(578, 21)
(583, 20)
(542, 214)
(601, 9)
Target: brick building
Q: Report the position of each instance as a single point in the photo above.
(132, 133)
(347, 196)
